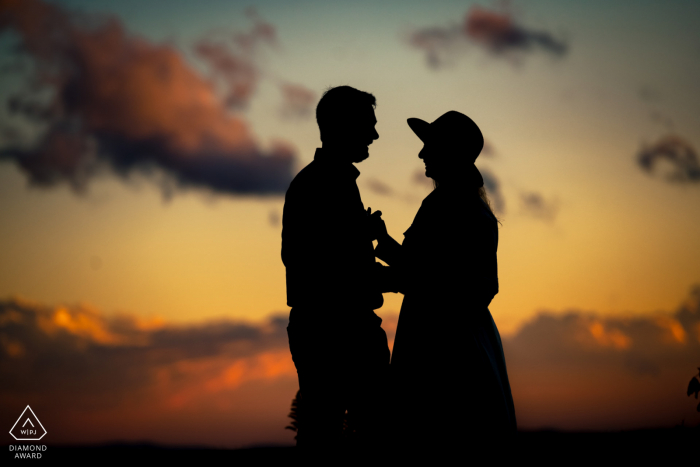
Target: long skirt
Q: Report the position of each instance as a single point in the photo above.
(449, 381)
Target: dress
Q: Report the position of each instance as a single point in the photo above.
(448, 368)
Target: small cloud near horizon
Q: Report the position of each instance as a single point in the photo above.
(624, 372)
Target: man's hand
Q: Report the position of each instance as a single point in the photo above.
(377, 227)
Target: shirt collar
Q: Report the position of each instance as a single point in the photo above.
(346, 168)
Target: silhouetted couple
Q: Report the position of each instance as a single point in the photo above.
(446, 386)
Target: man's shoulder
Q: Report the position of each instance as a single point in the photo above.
(312, 178)
(309, 174)
(303, 180)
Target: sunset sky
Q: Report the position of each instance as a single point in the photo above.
(145, 147)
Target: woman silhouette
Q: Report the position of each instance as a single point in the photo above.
(447, 365)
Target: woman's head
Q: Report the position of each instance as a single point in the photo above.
(451, 145)
(445, 165)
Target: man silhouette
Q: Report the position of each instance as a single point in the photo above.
(333, 282)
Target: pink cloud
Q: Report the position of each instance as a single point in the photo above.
(93, 377)
(494, 31)
(121, 104)
(584, 371)
(298, 100)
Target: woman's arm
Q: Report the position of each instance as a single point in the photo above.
(389, 250)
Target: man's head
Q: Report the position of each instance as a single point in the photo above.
(346, 120)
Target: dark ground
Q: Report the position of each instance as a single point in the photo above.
(665, 446)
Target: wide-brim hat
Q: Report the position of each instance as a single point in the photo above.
(453, 132)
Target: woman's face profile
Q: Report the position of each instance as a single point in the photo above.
(435, 161)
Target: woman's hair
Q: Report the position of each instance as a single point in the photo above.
(481, 193)
(485, 198)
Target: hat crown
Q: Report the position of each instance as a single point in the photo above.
(452, 129)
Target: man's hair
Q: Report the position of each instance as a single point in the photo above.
(338, 106)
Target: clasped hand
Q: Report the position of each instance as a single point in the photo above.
(377, 227)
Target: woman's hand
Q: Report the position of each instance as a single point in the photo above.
(377, 227)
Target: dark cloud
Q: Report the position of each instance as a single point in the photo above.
(93, 378)
(499, 34)
(674, 157)
(379, 187)
(297, 101)
(116, 353)
(419, 178)
(274, 218)
(111, 102)
(580, 370)
(440, 45)
(488, 150)
(493, 190)
(494, 31)
(534, 204)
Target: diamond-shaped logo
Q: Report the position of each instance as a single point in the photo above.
(27, 427)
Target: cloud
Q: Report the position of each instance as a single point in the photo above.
(234, 64)
(379, 187)
(535, 205)
(298, 101)
(493, 190)
(498, 33)
(238, 76)
(495, 32)
(233, 59)
(585, 371)
(111, 102)
(93, 378)
(440, 45)
(672, 155)
(419, 178)
(273, 217)
(488, 150)
(75, 363)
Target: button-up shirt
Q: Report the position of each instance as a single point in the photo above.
(326, 244)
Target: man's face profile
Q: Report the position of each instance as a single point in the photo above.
(358, 133)
(365, 134)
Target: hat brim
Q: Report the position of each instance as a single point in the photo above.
(420, 127)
